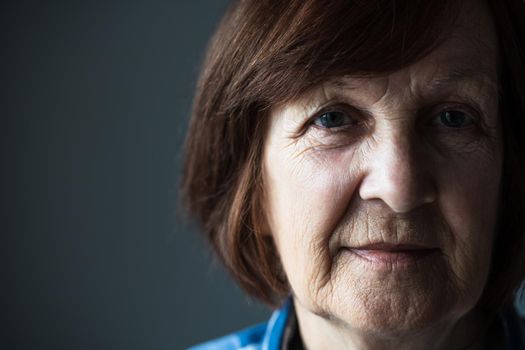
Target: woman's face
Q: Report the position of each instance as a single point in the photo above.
(382, 192)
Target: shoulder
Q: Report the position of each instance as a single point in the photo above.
(263, 336)
(514, 328)
(247, 339)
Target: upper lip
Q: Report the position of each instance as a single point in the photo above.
(393, 247)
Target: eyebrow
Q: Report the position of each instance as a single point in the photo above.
(454, 75)
(461, 74)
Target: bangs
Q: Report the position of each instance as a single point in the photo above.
(291, 46)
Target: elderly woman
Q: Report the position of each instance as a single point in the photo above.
(359, 165)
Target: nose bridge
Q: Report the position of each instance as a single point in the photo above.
(397, 156)
(397, 170)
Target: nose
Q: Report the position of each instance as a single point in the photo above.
(398, 172)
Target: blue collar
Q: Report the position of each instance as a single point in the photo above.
(273, 337)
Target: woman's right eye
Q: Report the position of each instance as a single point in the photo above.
(333, 119)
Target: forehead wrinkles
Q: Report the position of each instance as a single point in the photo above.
(415, 83)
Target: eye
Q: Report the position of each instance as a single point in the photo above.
(333, 119)
(453, 119)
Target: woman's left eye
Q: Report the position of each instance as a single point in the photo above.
(454, 119)
(332, 119)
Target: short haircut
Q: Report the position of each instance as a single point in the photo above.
(268, 52)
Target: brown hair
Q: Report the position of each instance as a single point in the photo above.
(267, 52)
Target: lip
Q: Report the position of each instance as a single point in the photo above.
(393, 255)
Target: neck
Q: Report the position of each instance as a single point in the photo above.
(466, 333)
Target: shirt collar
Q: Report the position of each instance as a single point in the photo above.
(273, 336)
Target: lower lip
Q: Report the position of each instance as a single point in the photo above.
(404, 258)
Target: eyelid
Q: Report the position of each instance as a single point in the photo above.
(433, 111)
(330, 106)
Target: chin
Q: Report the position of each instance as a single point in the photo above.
(394, 301)
(390, 317)
(394, 307)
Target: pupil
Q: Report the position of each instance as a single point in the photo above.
(453, 118)
(332, 119)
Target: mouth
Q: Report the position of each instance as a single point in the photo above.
(387, 254)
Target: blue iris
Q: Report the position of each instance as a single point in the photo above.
(331, 119)
(454, 119)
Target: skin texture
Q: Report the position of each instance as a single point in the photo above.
(392, 172)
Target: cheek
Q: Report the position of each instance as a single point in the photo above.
(306, 200)
(469, 197)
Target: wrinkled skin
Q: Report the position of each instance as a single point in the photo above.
(391, 170)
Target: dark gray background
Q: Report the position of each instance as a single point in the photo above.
(95, 103)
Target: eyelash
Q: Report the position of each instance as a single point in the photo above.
(430, 114)
(470, 114)
(350, 113)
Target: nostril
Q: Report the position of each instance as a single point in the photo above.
(402, 191)
(398, 172)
